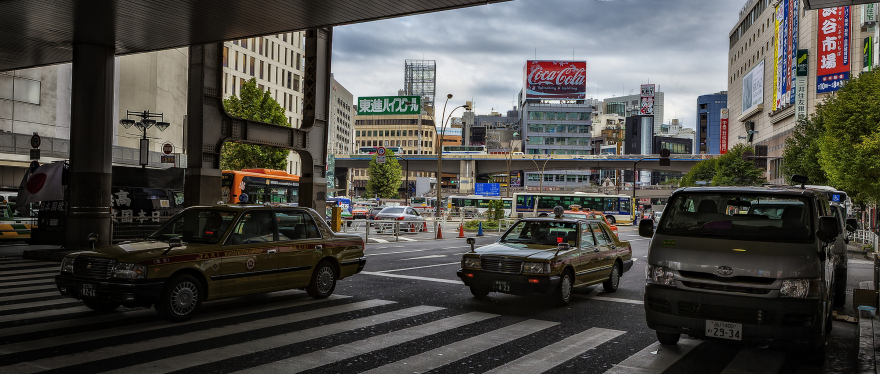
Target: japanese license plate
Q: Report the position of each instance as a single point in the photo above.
(724, 330)
(501, 286)
(87, 290)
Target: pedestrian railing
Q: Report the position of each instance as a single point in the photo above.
(864, 237)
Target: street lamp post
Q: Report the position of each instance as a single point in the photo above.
(439, 148)
(542, 170)
(147, 121)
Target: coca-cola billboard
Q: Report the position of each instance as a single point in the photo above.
(556, 79)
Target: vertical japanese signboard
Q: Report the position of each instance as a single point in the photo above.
(646, 106)
(833, 49)
(868, 49)
(724, 130)
(803, 70)
(784, 50)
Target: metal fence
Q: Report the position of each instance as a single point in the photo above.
(136, 229)
(865, 237)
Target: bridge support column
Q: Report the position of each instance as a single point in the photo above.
(316, 114)
(467, 172)
(205, 120)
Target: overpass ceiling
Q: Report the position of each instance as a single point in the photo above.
(35, 32)
(817, 4)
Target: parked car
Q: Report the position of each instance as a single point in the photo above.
(411, 219)
(547, 256)
(743, 263)
(209, 253)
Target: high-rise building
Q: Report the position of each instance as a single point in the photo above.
(708, 132)
(342, 112)
(764, 98)
(277, 62)
(627, 106)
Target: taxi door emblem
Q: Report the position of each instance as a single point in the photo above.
(724, 271)
(250, 263)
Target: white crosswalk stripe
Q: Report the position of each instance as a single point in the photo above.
(6, 291)
(29, 296)
(468, 347)
(4, 279)
(32, 265)
(4, 273)
(555, 354)
(6, 308)
(654, 359)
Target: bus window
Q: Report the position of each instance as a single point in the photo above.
(625, 206)
(612, 204)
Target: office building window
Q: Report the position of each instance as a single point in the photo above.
(289, 75)
(272, 48)
(283, 73)
(261, 69)
(296, 82)
(244, 43)
(244, 60)
(252, 66)
(225, 56)
(298, 64)
(236, 60)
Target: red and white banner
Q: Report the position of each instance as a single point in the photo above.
(44, 184)
(724, 131)
(555, 79)
(832, 49)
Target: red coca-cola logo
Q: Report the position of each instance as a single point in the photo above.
(567, 76)
(556, 79)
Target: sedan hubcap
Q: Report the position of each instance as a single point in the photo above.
(566, 287)
(325, 280)
(615, 277)
(184, 298)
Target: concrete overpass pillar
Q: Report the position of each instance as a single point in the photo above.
(205, 118)
(91, 142)
(467, 172)
(316, 114)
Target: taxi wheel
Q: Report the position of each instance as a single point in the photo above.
(99, 306)
(180, 299)
(614, 280)
(323, 281)
(562, 295)
(479, 292)
(611, 220)
(666, 338)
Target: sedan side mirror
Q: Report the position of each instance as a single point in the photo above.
(852, 224)
(828, 229)
(562, 247)
(93, 239)
(646, 228)
(175, 242)
(472, 242)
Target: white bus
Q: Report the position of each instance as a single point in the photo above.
(478, 203)
(618, 208)
(464, 150)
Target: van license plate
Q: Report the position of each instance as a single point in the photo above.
(724, 330)
(88, 290)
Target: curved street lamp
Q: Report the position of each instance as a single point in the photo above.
(439, 145)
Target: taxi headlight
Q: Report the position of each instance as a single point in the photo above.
(536, 267)
(129, 271)
(659, 275)
(800, 288)
(470, 262)
(67, 265)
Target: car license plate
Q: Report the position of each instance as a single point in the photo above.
(88, 290)
(501, 286)
(724, 330)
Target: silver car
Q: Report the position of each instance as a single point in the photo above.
(410, 219)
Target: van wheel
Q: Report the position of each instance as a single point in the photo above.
(180, 299)
(323, 281)
(562, 295)
(666, 338)
(479, 292)
(100, 306)
(613, 281)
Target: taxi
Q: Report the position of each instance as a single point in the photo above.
(549, 256)
(214, 252)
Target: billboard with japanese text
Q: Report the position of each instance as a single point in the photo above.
(388, 105)
(784, 52)
(724, 131)
(832, 49)
(555, 80)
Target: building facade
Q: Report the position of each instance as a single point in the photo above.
(760, 104)
(708, 132)
(341, 138)
(277, 63)
(557, 129)
(627, 106)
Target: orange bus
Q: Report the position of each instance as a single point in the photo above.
(260, 185)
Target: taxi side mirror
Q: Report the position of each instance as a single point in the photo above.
(562, 247)
(852, 224)
(93, 239)
(175, 242)
(646, 228)
(472, 242)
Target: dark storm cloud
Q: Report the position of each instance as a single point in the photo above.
(681, 45)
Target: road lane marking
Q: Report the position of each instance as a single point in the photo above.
(41, 314)
(57, 362)
(382, 241)
(408, 239)
(420, 267)
(558, 353)
(175, 363)
(422, 258)
(32, 265)
(343, 352)
(36, 304)
(438, 280)
(648, 362)
(755, 361)
(4, 291)
(594, 295)
(4, 273)
(30, 296)
(149, 326)
(447, 354)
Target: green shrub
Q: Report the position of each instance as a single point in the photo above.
(868, 248)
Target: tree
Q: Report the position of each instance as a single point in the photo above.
(258, 106)
(384, 179)
(732, 169)
(702, 171)
(850, 149)
(802, 148)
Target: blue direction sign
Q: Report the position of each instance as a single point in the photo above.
(487, 189)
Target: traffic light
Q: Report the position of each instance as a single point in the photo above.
(664, 157)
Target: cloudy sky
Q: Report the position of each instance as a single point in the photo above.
(681, 45)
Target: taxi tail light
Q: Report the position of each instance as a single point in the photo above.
(470, 275)
(400, 218)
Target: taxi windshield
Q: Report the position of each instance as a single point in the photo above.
(745, 216)
(196, 225)
(547, 232)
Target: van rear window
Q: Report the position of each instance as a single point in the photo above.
(739, 217)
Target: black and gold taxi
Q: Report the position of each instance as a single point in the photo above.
(210, 253)
(550, 256)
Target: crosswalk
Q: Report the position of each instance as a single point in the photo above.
(288, 332)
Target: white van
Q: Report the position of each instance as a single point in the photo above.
(743, 263)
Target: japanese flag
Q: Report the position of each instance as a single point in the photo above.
(44, 184)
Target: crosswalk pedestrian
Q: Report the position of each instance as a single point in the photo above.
(288, 332)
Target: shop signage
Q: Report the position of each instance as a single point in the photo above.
(555, 79)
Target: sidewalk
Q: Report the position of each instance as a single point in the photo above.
(35, 252)
(869, 338)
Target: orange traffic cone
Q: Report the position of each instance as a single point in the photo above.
(461, 231)
(439, 231)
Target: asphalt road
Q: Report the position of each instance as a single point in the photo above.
(407, 312)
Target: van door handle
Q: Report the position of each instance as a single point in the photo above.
(271, 251)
